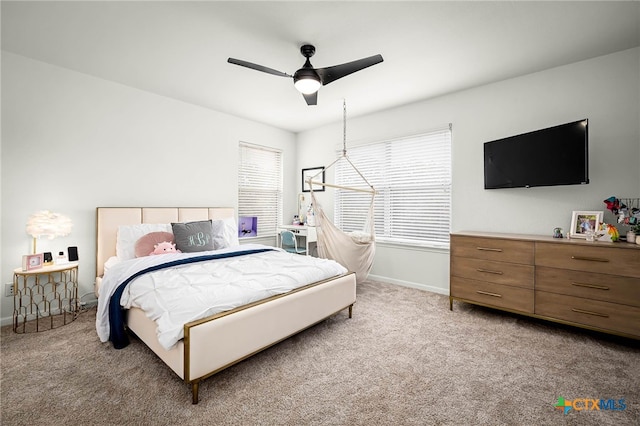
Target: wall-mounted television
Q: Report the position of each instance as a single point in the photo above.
(557, 155)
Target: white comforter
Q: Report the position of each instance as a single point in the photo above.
(175, 296)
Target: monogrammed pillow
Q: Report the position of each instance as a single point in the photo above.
(192, 237)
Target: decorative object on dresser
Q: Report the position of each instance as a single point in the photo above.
(636, 230)
(626, 209)
(584, 224)
(607, 232)
(593, 285)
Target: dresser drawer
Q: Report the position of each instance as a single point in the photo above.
(608, 288)
(613, 260)
(500, 250)
(604, 315)
(490, 294)
(496, 272)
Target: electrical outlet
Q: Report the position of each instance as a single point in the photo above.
(8, 290)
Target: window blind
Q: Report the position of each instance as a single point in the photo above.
(260, 186)
(413, 178)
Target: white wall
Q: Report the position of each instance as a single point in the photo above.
(71, 143)
(605, 90)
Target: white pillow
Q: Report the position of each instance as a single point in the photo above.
(129, 234)
(225, 233)
(110, 262)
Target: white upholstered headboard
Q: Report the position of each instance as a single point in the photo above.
(109, 218)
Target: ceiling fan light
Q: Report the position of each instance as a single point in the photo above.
(307, 85)
(306, 81)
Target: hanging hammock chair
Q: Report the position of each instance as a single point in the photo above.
(355, 250)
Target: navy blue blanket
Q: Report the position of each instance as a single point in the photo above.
(117, 314)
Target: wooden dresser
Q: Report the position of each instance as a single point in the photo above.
(595, 285)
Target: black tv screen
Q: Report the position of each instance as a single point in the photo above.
(555, 156)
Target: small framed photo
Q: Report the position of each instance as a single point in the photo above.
(583, 222)
(311, 174)
(32, 261)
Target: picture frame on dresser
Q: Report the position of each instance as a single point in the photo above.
(583, 221)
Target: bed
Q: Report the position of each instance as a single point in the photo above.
(215, 342)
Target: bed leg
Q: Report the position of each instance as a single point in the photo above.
(194, 391)
(351, 311)
(450, 303)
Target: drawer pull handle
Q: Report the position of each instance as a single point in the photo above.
(488, 249)
(486, 293)
(597, 314)
(488, 271)
(597, 287)
(590, 259)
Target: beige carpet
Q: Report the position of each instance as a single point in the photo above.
(403, 359)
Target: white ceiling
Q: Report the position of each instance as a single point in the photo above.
(179, 49)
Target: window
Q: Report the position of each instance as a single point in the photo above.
(260, 186)
(413, 178)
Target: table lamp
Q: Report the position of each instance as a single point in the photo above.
(48, 224)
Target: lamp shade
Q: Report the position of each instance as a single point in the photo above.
(48, 224)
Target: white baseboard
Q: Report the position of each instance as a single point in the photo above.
(419, 286)
(6, 321)
(85, 305)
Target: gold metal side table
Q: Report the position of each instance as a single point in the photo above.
(45, 298)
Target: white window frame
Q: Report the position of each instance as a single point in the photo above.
(260, 186)
(412, 176)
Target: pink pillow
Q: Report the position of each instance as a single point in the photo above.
(146, 243)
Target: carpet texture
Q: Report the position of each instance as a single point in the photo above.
(403, 359)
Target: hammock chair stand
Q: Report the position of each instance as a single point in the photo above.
(354, 252)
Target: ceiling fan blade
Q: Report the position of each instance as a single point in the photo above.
(330, 74)
(257, 67)
(311, 99)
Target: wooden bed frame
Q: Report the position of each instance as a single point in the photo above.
(219, 341)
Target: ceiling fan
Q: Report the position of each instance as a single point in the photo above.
(308, 79)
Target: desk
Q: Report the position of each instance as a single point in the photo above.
(301, 231)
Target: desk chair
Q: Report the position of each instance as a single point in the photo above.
(289, 242)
